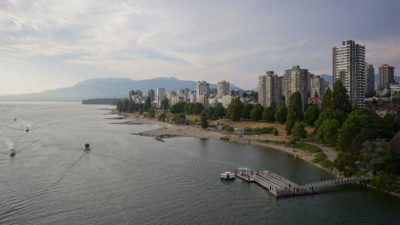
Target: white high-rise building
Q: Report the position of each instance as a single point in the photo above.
(296, 79)
(160, 95)
(222, 88)
(269, 89)
(202, 93)
(316, 86)
(348, 66)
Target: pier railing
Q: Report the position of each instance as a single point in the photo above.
(283, 187)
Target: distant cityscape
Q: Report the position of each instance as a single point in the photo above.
(348, 65)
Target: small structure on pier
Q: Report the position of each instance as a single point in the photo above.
(283, 187)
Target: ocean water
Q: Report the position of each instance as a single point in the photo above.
(129, 179)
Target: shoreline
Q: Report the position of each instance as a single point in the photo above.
(168, 130)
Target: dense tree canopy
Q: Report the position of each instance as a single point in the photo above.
(340, 99)
(246, 111)
(295, 111)
(298, 131)
(235, 109)
(311, 115)
(327, 100)
(360, 126)
(179, 118)
(281, 114)
(193, 108)
(328, 131)
(203, 120)
(219, 111)
(330, 113)
(257, 112)
(178, 107)
(269, 114)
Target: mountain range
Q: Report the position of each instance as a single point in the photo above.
(104, 88)
(116, 88)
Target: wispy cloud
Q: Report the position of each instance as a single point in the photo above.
(233, 40)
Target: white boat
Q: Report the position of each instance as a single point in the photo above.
(227, 176)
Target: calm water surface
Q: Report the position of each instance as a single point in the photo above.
(128, 179)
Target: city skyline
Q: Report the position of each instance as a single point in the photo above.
(56, 44)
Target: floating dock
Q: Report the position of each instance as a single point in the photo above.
(283, 187)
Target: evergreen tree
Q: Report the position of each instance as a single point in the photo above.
(246, 111)
(147, 104)
(327, 100)
(311, 115)
(298, 131)
(219, 111)
(340, 99)
(328, 131)
(203, 120)
(257, 112)
(235, 109)
(164, 103)
(295, 111)
(268, 114)
(281, 114)
(360, 126)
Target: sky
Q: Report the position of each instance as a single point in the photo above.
(46, 44)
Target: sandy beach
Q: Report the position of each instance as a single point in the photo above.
(168, 130)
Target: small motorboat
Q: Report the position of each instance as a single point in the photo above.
(228, 176)
(87, 147)
(12, 152)
(27, 129)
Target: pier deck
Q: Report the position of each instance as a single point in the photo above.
(283, 187)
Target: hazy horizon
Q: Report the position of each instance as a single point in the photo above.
(51, 44)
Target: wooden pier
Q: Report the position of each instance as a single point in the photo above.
(283, 187)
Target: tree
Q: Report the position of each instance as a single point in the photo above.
(257, 112)
(360, 126)
(246, 111)
(330, 113)
(311, 115)
(328, 131)
(268, 114)
(178, 107)
(179, 118)
(162, 117)
(377, 156)
(203, 120)
(147, 104)
(295, 111)
(210, 113)
(164, 103)
(345, 163)
(327, 100)
(298, 131)
(390, 125)
(235, 109)
(219, 111)
(281, 114)
(193, 108)
(152, 113)
(340, 99)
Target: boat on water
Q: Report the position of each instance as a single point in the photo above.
(87, 147)
(27, 129)
(228, 176)
(12, 152)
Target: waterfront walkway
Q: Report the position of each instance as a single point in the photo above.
(283, 187)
